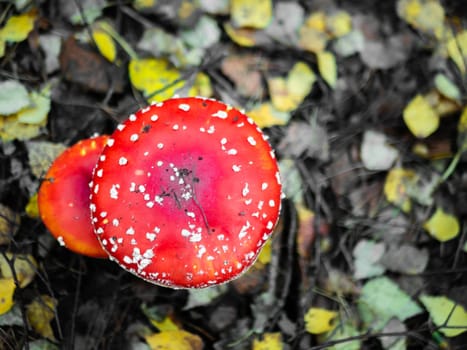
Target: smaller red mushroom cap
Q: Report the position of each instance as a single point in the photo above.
(63, 197)
(186, 193)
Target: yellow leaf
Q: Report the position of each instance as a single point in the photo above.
(25, 267)
(445, 312)
(318, 321)
(40, 312)
(327, 67)
(202, 86)
(32, 209)
(265, 115)
(420, 117)
(7, 289)
(287, 94)
(312, 40)
(457, 50)
(17, 28)
(36, 113)
(143, 4)
(317, 21)
(155, 77)
(395, 187)
(265, 255)
(252, 14)
(11, 128)
(442, 226)
(166, 324)
(105, 44)
(174, 340)
(270, 341)
(427, 16)
(241, 36)
(462, 130)
(339, 24)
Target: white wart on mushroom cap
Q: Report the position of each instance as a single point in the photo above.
(186, 193)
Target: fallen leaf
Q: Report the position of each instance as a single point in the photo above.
(287, 19)
(13, 97)
(51, 45)
(24, 265)
(338, 24)
(396, 187)
(241, 36)
(419, 116)
(265, 115)
(155, 77)
(375, 151)
(381, 299)
(13, 317)
(343, 331)
(424, 15)
(447, 87)
(9, 224)
(292, 183)
(7, 289)
(287, 93)
(327, 67)
(385, 54)
(442, 225)
(245, 72)
(105, 44)
(41, 154)
(38, 110)
(12, 129)
(81, 65)
(17, 28)
(367, 255)
(40, 312)
(269, 341)
(174, 340)
(318, 320)
(405, 258)
(462, 131)
(457, 50)
(205, 296)
(205, 34)
(445, 314)
(251, 14)
(32, 208)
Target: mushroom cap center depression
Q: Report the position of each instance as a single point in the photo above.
(180, 196)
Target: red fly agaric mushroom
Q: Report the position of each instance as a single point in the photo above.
(186, 193)
(63, 197)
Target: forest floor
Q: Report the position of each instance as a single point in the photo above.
(365, 105)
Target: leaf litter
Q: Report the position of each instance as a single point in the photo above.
(365, 108)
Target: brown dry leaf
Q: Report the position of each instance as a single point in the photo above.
(174, 340)
(83, 66)
(40, 312)
(245, 72)
(9, 224)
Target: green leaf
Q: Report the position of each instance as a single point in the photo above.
(367, 259)
(444, 312)
(382, 299)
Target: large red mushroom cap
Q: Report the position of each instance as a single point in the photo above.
(186, 193)
(63, 197)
